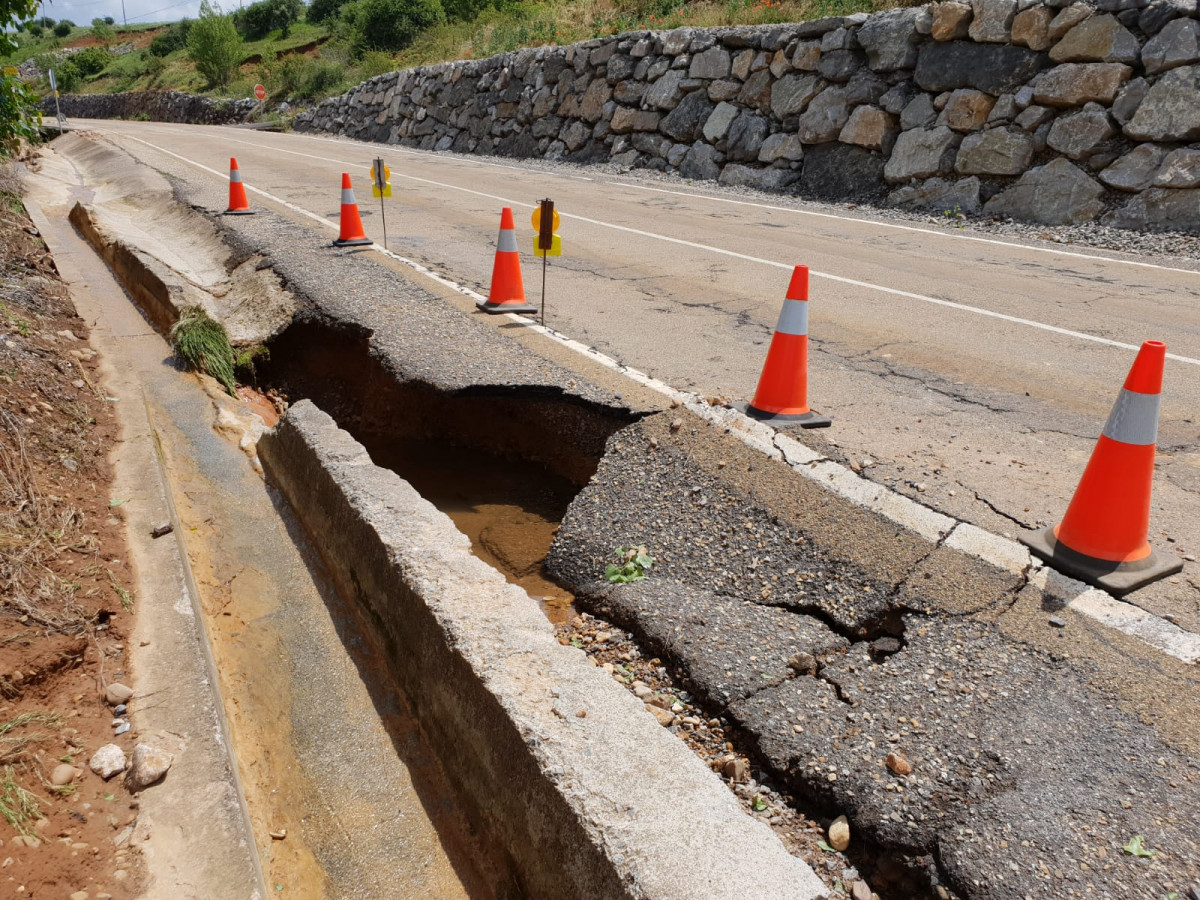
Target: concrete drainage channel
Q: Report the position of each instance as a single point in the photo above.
(833, 638)
(569, 788)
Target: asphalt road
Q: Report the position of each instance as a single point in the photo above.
(969, 371)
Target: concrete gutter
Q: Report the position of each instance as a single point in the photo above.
(589, 796)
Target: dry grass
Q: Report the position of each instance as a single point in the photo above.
(32, 533)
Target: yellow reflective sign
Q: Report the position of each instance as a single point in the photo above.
(536, 221)
(555, 248)
(386, 192)
(11, 71)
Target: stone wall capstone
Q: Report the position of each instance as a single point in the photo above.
(157, 106)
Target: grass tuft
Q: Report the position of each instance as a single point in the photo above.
(17, 805)
(203, 345)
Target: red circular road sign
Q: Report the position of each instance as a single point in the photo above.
(260, 92)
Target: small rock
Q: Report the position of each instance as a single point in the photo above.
(122, 728)
(861, 891)
(80, 895)
(676, 424)
(278, 835)
(839, 834)
(1057, 622)
(117, 693)
(736, 769)
(802, 662)
(149, 765)
(108, 761)
(119, 709)
(665, 716)
(64, 774)
(899, 764)
(159, 530)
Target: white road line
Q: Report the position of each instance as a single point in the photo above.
(899, 227)
(866, 285)
(998, 551)
(786, 209)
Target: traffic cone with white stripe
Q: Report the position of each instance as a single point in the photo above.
(238, 204)
(782, 395)
(351, 233)
(507, 293)
(1102, 537)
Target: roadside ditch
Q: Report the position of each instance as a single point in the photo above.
(504, 463)
(761, 580)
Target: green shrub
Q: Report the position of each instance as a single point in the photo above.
(174, 38)
(259, 19)
(36, 30)
(91, 60)
(390, 24)
(103, 32)
(375, 62)
(214, 45)
(324, 10)
(155, 66)
(109, 20)
(302, 78)
(68, 76)
(63, 28)
(465, 10)
(45, 22)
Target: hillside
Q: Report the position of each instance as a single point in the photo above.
(312, 60)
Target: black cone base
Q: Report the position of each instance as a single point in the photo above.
(809, 419)
(238, 212)
(353, 242)
(1116, 578)
(497, 308)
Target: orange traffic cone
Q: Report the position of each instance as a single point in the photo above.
(507, 293)
(238, 204)
(351, 233)
(782, 395)
(1102, 538)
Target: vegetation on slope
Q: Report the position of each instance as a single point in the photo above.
(307, 53)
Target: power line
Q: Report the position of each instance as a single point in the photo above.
(164, 9)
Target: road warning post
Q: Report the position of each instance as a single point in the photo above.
(546, 243)
(381, 186)
(260, 94)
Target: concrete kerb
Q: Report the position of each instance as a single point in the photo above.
(589, 795)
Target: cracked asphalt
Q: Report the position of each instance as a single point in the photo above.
(832, 639)
(987, 420)
(1034, 748)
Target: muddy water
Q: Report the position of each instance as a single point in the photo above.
(510, 509)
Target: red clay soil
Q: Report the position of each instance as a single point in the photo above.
(64, 578)
(139, 39)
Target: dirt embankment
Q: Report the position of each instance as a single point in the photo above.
(65, 606)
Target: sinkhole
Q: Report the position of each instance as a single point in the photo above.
(503, 462)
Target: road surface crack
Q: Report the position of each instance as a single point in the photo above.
(998, 511)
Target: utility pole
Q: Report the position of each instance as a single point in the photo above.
(123, 19)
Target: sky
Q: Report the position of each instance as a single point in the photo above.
(81, 12)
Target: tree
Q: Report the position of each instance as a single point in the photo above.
(64, 27)
(323, 10)
(390, 24)
(19, 115)
(103, 32)
(214, 44)
(259, 19)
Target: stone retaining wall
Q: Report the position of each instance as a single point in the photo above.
(158, 106)
(1039, 111)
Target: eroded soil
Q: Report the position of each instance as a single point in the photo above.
(65, 604)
